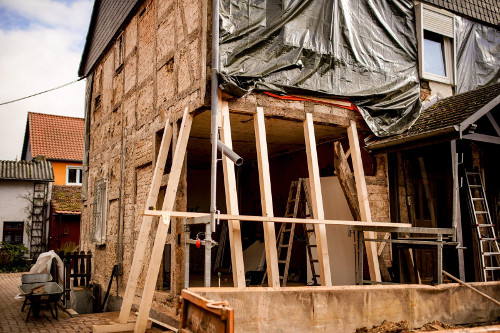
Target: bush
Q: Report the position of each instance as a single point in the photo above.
(67, 247)
(12, 258)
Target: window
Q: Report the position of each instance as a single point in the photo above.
(119, 52)
(73, 175)
(100, 209)
(13, 232)
(435, 34)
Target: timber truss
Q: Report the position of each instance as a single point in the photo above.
(233, 217)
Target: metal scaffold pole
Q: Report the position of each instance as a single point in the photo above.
(213, 138)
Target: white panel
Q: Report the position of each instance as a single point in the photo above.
(438, 22)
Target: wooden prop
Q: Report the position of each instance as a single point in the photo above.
(364, 205)
(232, 203)
(317, 201)
(161, 232)
(142, 239)
(266, 200)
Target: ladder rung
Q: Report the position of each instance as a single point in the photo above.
(491, 253)
(481, 212)
(484, 225)
(283, 245)
(474, 185)
(487, 239)
(287, 230)
(477, 199)
(492, 268)
(281, 261)
(472, 173)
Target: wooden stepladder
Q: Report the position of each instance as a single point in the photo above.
(489, 252)
(298, 206)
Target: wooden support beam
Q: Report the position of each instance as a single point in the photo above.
(161, 232)
(493, 123)
(317, 201)
(346, 180)
(142, 240)
(364, 205)
(234, 228)
(242, 218)
(266, 199)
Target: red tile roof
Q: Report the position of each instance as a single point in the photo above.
(66, 199)
(56, 137)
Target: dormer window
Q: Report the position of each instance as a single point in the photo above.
(435, 33)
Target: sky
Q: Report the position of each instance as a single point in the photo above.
(41, 43)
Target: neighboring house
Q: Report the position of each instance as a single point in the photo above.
(65, 205)
(25, 188)
(60, 140)
(146, 61)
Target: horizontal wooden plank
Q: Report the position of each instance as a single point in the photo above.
(276, 219)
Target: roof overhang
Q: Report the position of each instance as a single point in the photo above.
(454, 132)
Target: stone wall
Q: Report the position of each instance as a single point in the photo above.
(163, 71)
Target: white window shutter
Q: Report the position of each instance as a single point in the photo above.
(438, 21)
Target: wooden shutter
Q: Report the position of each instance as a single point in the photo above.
(100, 211)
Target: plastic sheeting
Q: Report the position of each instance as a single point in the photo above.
(44, 263)
(478, 54)
(363, 50)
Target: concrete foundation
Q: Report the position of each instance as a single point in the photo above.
(343, 309)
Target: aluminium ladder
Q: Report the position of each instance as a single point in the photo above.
(298, 198)
(485, 230)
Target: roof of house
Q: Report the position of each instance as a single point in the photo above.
(66, 199)
(443, 116)
(483, 10)
(27, 170)
(109, 16)
(55, 137)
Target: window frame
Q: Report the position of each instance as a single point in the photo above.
(449, 51)
(79, 175)
(21, 230)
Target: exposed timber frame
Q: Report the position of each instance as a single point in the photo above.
(233, 216)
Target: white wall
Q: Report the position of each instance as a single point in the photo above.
(340, 245)
(13, 207)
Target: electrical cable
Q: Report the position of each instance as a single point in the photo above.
(42, 92)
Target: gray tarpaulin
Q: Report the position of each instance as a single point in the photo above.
(363, 50)
(478, 55)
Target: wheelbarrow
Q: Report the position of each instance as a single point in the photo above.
(43, 293)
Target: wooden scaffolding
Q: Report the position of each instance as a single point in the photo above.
(152, 264)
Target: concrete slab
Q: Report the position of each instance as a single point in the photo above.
(345, 308)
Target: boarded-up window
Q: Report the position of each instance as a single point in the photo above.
(100, 210)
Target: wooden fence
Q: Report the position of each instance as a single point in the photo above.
(77, 270)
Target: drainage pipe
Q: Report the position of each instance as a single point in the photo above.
(214, 100)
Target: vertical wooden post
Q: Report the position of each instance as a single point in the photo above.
(317, 201)
(142, 240)
(266, 199)
(75, 268)
(88, 269)
(161, 232)
(364, 205)
(234, 228)
(82, 268)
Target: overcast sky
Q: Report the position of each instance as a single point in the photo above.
(41, 42)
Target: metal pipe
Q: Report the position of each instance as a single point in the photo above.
(237, 160)
(214, 100)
